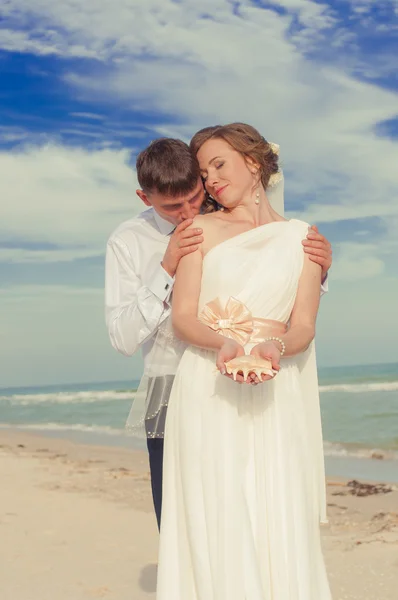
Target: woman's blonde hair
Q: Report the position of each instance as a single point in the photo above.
(246, 140)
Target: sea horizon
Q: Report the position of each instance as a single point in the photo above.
(322, 370)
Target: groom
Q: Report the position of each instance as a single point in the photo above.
(143, 254)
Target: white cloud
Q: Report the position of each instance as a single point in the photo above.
(12, 134)
(166, 57)
(65, 196)
(81, 132)
(323, 117)
(86, 115)
(356, 261)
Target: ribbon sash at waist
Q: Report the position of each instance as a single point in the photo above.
(236, 322)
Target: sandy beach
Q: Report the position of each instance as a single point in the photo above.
(76, 522)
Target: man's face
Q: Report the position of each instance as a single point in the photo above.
(176, 209)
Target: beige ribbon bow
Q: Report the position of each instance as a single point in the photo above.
(235, 321)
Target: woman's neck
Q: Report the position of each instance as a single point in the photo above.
(255, 213)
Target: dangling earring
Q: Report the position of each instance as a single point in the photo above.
(257, 199)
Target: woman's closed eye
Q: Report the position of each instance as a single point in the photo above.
(217, 167)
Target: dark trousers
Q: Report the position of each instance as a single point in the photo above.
(158, 393)
(155, 449)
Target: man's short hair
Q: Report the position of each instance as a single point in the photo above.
(167, 166)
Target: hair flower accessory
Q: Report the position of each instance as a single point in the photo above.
(274, 147)
(275, 179)
(278, 176)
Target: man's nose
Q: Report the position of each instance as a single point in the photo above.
(188, 212)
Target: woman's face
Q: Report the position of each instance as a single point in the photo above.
(226, 174)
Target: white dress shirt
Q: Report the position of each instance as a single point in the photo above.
(137, 288)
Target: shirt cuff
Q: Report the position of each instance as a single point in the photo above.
(325, 285)
(161, 284)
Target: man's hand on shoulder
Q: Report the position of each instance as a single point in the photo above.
(319, 250)
(184, 240)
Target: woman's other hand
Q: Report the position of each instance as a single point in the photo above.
(268, 351)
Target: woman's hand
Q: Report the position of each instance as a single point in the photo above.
(228, 351)
(268, 351)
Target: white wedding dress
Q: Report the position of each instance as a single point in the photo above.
(243, 469)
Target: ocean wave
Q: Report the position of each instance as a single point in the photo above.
(67, 397)
(356, 388)
(346, 450)
(88, 397)
(102, 429)
(330, 448)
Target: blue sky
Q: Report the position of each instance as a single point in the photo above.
(82, 91)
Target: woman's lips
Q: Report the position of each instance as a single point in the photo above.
(220, 190)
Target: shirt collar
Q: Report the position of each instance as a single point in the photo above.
(164, 226)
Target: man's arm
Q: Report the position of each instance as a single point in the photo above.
(133, 311)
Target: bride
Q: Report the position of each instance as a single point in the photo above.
(243, 465)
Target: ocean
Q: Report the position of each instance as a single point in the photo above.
(359, 412)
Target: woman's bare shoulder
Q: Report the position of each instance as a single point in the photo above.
(207, 222)
(211, 225)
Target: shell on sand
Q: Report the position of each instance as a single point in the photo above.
(249, 364)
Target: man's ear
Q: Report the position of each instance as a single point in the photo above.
(141, 194)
